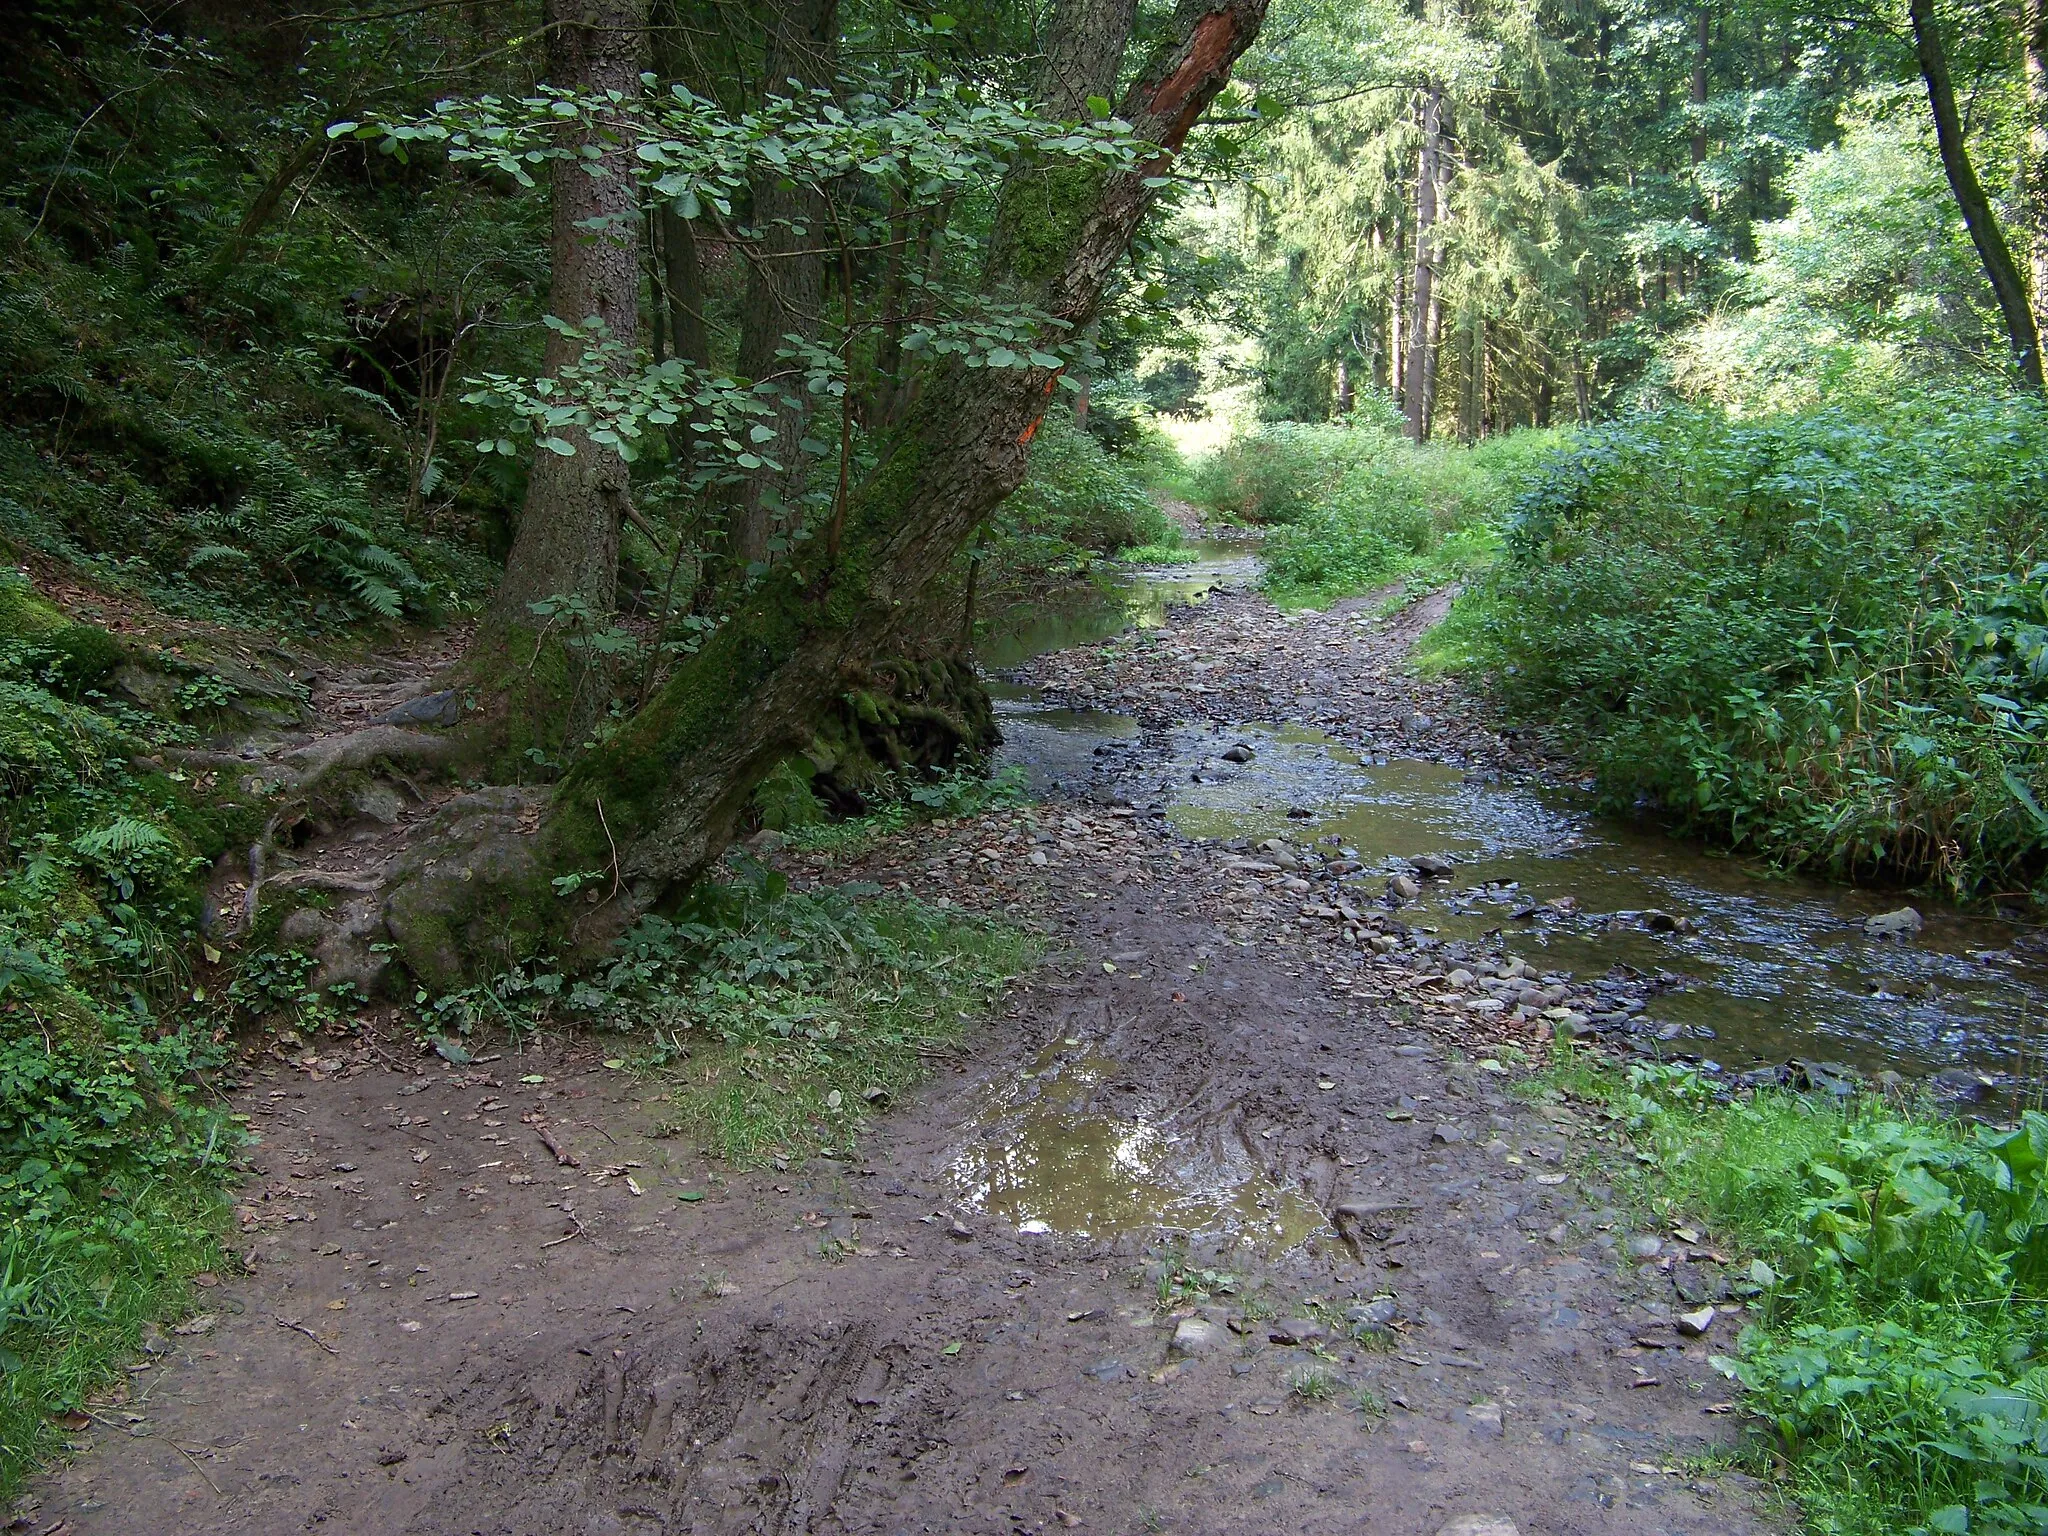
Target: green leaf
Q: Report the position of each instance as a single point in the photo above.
(1098, 106)
(2017, 786)
(952, 1348)
(340, 129)
(691, 1195)
(556, 445)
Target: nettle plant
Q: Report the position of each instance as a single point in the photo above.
(891, 161)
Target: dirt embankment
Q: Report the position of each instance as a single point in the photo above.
(1377, 1293)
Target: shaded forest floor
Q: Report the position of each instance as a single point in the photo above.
(1414, 1300)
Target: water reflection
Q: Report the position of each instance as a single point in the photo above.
(1778, 967)
(1049, 1151)
(1140, 598)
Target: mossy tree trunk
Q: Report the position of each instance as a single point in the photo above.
(568, 539)
(785, 278)
(659, 801)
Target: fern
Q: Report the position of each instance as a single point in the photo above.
(123, 840)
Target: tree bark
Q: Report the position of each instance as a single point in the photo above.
(264, 208)
(659, 800)
(785, 278)
(1978, 216)
(1422, 295)
(1083, 55)
(1703, 43)
(568, 540)
(2036, 41)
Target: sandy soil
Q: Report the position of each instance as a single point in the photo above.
(446, 1329)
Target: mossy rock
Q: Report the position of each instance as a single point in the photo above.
(81, 655)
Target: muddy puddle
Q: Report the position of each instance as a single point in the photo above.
(1773, 967)
(1074, 1147)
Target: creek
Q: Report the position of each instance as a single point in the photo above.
(1751, 967)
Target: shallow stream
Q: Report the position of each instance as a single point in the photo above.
(1767, 968)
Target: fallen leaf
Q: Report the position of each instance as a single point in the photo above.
(692, 1195)
(952, 1348)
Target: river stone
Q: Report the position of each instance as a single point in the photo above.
(1296, 1330)
(1693, 1324)
(1403, 888)
(1196, 1336)
(1237, 754)
(1372, 1316)
(1645, 1247)
(1431, 866)
(1484, 1420)
(1696, 1283)
(1900, 924)
(1480, 1525)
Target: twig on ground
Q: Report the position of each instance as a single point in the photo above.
(299, 1327)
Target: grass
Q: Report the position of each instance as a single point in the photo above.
(1169, 553)
(89, 1304)
(788, 1070)
(1357, 507)
(1895, 1264)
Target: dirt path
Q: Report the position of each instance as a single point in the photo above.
(1431, 1313)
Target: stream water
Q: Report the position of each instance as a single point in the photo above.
(1763, 968)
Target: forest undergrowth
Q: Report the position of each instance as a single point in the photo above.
(1891, 1262)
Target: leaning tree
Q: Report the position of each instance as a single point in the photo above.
(643, 812)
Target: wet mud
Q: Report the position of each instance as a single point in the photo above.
(1230, 1219)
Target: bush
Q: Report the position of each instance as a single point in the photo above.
(1897, 1263)
(1360, 506)
(1079, 493)
(1818, 635)
(110, 1167)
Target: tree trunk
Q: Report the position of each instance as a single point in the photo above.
(658, 801)
(568, 540)
(1703, 43)
(1344, 400)
(264, 208)
(1083, 60)
(1422, 297)
(785, 279)
(1432, 360)
(1397, 316)
(1982, 222)
(2036, 29)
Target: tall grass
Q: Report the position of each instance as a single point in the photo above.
(1355, 507)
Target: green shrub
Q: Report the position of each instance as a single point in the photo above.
(1078, 494)
(110, 1166)
(1816, 635)
(1359, 506)
(1897, 1264)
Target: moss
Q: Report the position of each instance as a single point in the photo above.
(524, 684)
(1042, 217)
(81, 655)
